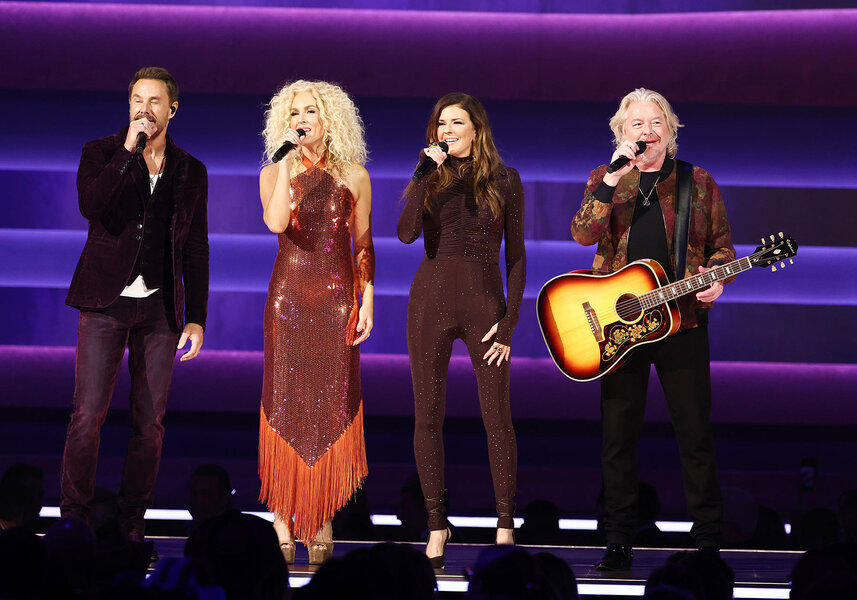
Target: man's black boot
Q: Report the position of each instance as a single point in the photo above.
(617, 557)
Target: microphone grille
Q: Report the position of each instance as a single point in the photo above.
(300, 132)
(641, 147)
(443, 146)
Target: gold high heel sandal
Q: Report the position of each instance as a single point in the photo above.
(319, 551)
(288, 550)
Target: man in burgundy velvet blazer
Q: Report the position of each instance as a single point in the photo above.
(141, 283)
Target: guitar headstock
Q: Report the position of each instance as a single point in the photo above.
(774, 251)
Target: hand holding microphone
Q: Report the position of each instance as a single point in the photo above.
(637, 148)
(293, 140)
(139, 130)
(434, 157)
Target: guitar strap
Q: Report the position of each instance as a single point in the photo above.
(684, 179)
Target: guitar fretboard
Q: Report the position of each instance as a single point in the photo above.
(696, 282)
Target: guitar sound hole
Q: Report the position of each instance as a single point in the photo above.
(628, 307)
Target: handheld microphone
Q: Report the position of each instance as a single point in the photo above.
(286, 148)
(624, 160)
(141, 141)
(428, 163)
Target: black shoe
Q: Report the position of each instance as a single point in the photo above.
(617, 557)
(437, 562)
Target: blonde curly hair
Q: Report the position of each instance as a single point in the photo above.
(344, 139)
(617, 121)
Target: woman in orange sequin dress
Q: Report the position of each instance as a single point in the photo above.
(319, 309)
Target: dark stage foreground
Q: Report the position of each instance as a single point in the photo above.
(758, 573)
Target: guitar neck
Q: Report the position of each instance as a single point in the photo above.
(688, 285)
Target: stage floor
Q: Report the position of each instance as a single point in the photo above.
(758, 573)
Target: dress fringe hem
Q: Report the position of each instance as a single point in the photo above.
(310, 494)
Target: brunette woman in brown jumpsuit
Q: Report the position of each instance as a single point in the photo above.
(464, 207)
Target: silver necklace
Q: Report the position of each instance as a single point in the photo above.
(651, 191)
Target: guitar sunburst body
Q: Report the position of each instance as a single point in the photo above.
(591, 321)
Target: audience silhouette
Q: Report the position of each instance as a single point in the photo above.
(244, 555)
(826, 572)
(22, 559)
(541, 524)
(504, 572)
(555, 577)
(21, 495)
(210, 493)
(382, 572)
(70, 561)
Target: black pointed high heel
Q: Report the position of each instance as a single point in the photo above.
(437, 508)
(437, 562)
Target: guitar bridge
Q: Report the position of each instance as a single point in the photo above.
(594, 325)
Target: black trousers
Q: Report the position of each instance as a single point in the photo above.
(140, 324)
(683, 367)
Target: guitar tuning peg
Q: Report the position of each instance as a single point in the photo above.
(782, 265)
(781, 235)
(772, 238)
(764, 241)
(773, 268)
(791, 262)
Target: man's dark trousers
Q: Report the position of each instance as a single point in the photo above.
(141, 325)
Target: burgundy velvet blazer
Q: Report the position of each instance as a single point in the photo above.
(113, 187)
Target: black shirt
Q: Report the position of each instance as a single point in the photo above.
(154, 260)
(647, 237)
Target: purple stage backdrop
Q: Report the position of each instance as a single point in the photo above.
(784, 57)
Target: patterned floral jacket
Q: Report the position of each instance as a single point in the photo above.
(709, 239)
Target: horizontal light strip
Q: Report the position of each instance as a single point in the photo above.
(479, 522)
(392, 520)
(262, 515)
(609, 589)
(752, 592)
(579, 524)
(448, 585)
(593, 589)
(612, 589)
(674, 526)
(443, 585)
(168, 514)
(174, 514)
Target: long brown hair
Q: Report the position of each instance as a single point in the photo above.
(486, 161)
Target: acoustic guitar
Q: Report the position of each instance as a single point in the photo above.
(591, 321)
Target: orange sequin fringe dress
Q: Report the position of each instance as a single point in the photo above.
(311, 449)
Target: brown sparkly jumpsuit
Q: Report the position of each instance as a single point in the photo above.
(311, 450)
(458, 293)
